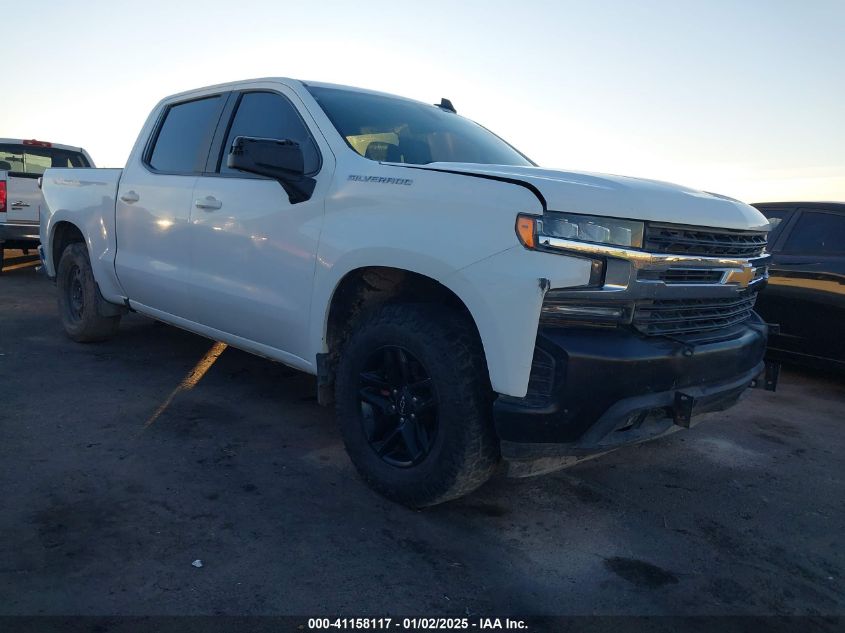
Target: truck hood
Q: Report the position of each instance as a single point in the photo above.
(621, 196)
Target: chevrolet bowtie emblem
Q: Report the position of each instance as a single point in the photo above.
(741, 277)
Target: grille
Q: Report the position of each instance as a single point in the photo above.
(684, 275)
(666, 238)
(691, 316)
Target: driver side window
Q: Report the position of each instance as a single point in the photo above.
(270, 115)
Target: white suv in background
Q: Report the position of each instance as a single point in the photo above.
(22, 162)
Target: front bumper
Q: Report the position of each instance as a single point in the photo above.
(23, 234)
(596, 389)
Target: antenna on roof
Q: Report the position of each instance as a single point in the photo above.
(445, 104)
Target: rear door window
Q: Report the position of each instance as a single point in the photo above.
(270, 115)
(818, 233)
(184, 136)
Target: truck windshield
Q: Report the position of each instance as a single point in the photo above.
(23, 160)
(396, 130)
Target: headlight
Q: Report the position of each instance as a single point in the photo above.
(592, 228)
(583, 228)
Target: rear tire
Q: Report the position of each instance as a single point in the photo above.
(78, 298)
(424, 365)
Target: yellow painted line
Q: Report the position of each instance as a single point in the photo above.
(190, 380)
(24, 265)
(833, 286)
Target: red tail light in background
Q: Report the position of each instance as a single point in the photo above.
(35, 143)
(2, 196)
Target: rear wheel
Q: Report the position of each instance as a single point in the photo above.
(414, 405)
(78, 298)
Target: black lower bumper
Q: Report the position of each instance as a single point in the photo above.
(593, 390)
(19, 235)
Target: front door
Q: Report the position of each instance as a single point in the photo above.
(254, 252)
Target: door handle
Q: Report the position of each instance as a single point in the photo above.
(209, 203)
(130, 197)
(20, 204)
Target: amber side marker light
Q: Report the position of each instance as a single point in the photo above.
(526, 230)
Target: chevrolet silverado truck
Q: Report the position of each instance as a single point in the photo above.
(463, 309)
(22, 162)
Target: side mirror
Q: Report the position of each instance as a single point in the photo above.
(280, 159)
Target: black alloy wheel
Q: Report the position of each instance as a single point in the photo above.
(398, 403)
(413, 402)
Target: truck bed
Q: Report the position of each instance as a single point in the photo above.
(85, 197)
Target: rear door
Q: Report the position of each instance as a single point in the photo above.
(154, 206)
(806, 286)
(25, 163)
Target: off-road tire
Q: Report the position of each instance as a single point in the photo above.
(465, 450)
(80, 317)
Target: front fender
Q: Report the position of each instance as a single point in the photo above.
(503, 293)
(328, 279)
(455, 229)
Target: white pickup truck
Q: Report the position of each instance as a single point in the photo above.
(461, 307)
(22, 162)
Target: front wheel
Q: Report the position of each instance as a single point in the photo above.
(78, 298)
(414, 405)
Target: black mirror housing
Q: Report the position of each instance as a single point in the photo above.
(280, 159)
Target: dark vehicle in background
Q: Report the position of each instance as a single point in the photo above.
(805, 294)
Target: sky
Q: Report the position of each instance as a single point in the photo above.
(741, 97)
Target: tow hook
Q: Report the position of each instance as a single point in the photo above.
(685, 403)
(768, 379)
(682, 411)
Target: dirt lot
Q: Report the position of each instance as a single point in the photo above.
(111, 490)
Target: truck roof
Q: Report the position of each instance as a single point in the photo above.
(235, 85)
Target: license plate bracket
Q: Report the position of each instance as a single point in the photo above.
(682, 411)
